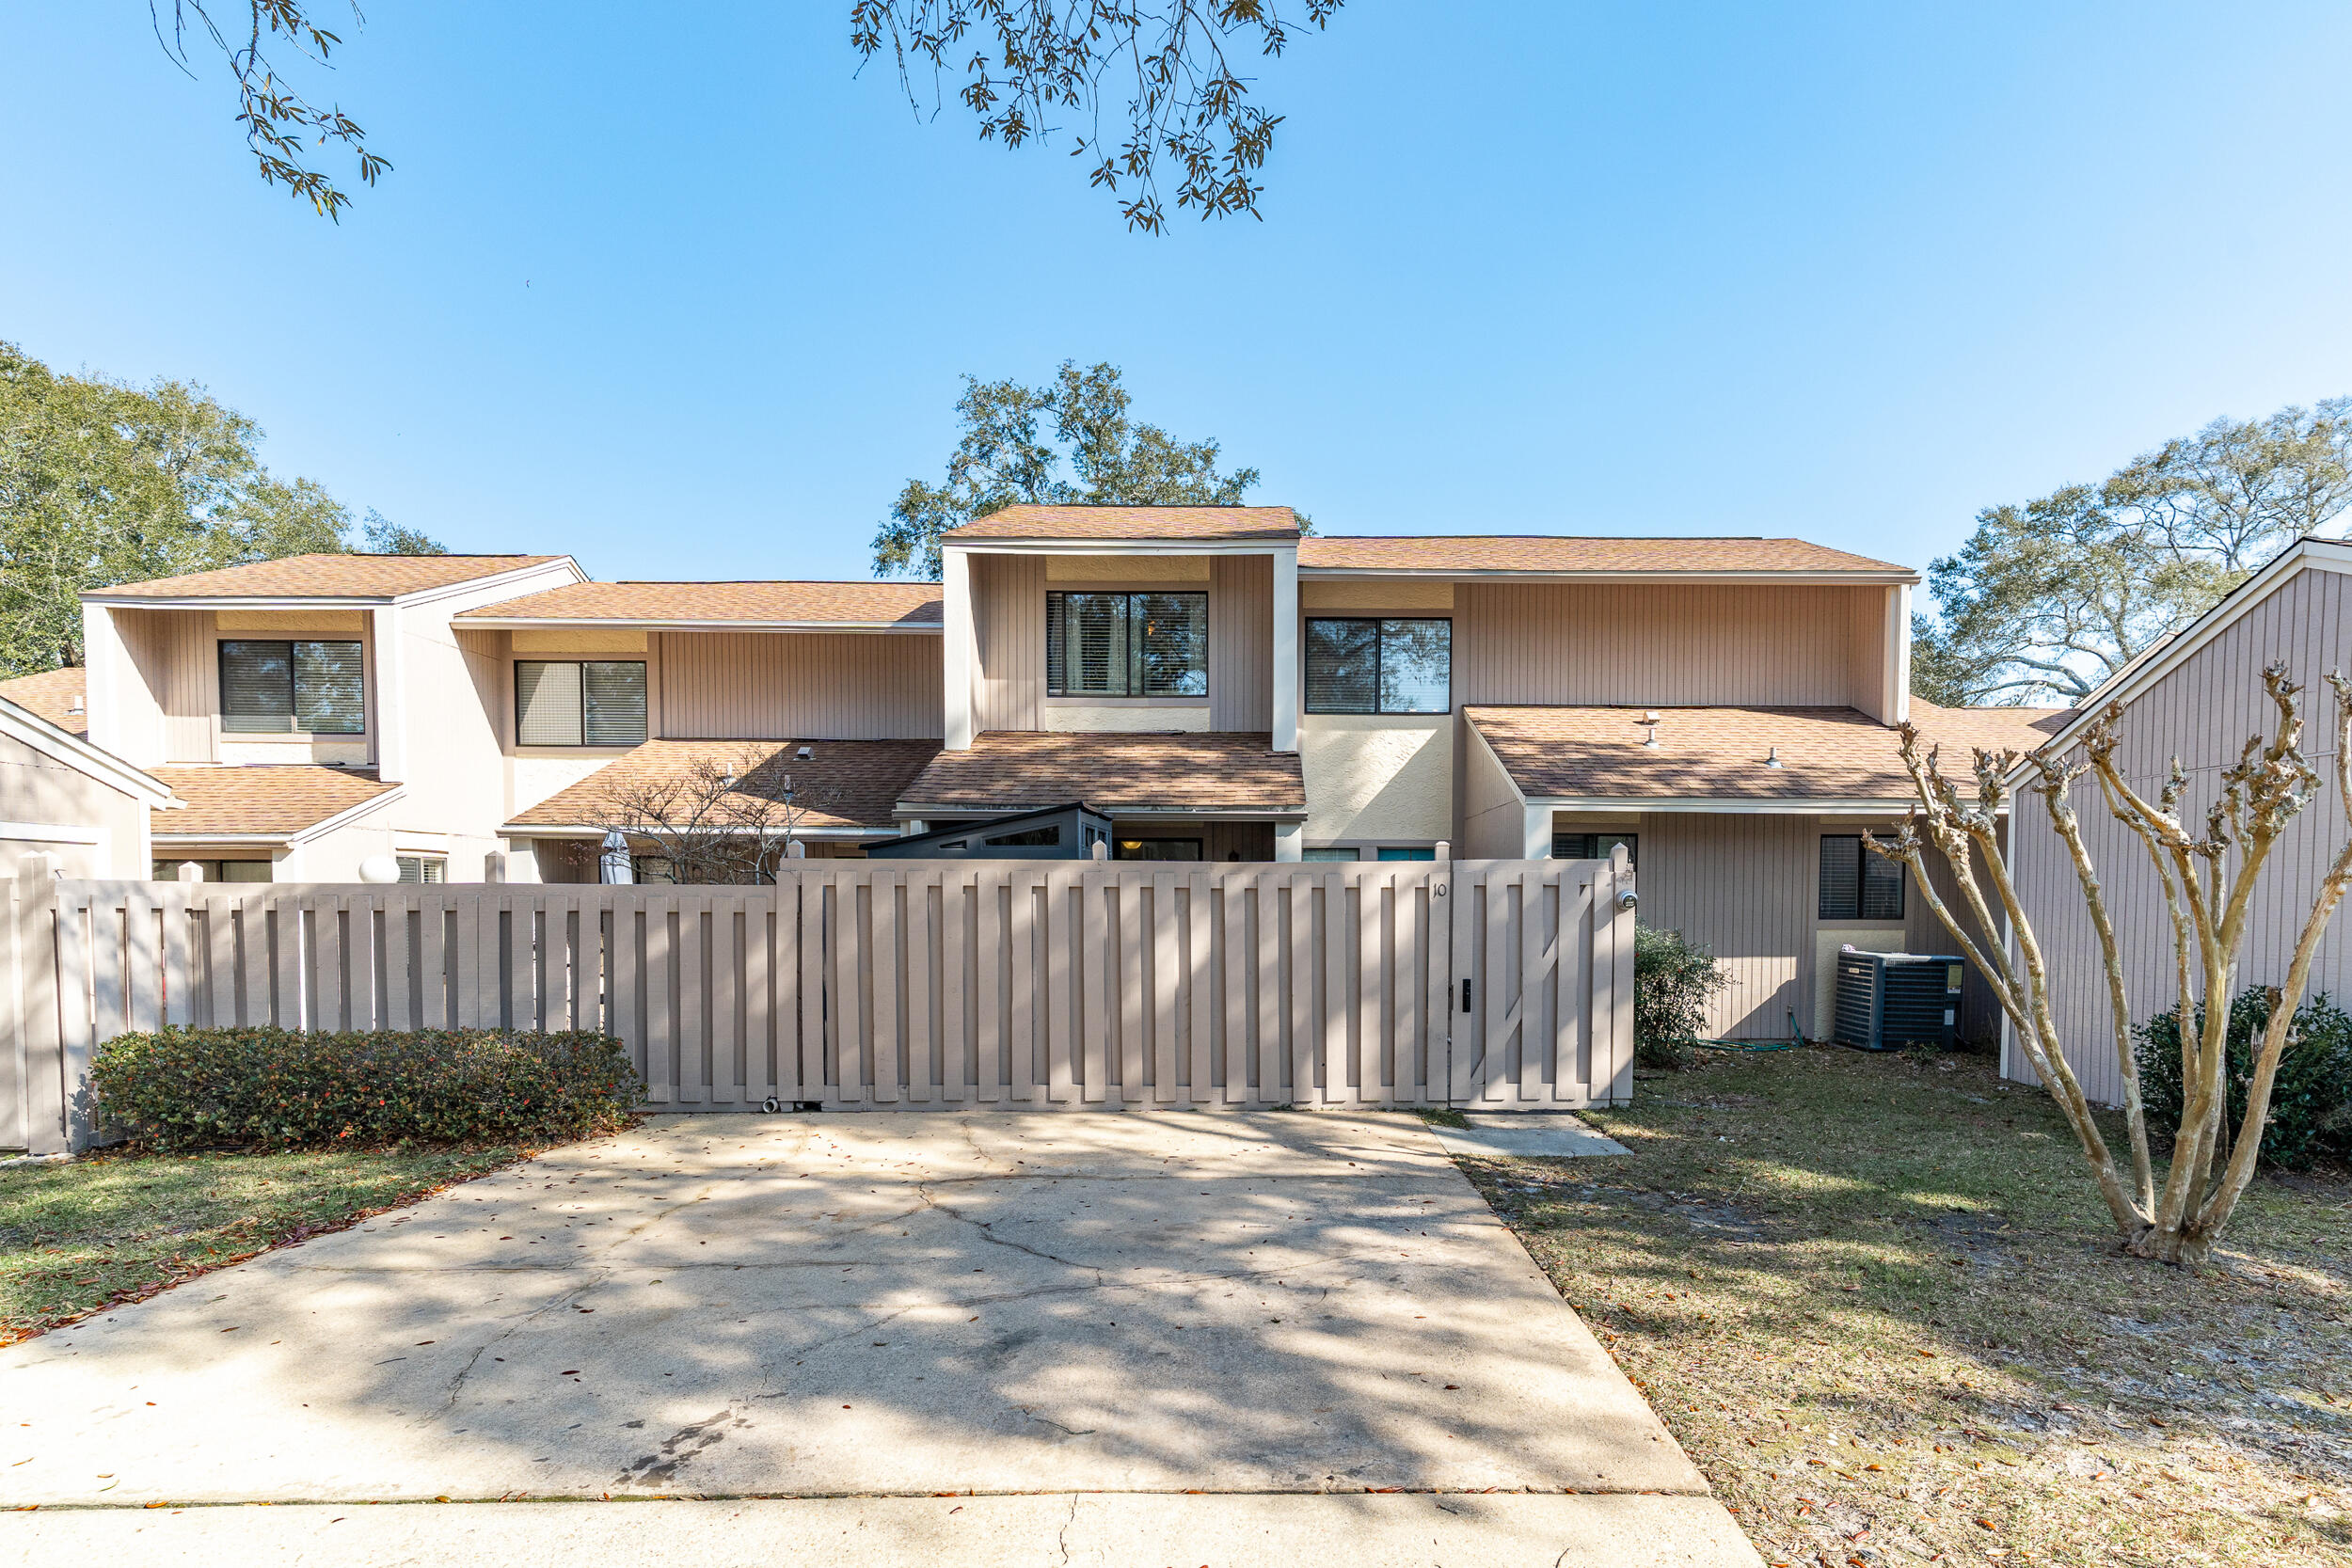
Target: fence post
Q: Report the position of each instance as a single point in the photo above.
(1619, 1021)
(36, 1040)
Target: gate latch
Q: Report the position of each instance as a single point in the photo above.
(1466, 993)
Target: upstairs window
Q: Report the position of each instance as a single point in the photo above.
(1857, 884)
(1367, 665)
(579, 701)
(1126, 644)
(291, 689)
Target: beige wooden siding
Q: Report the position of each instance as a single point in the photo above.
(780, 685)
(1746, 887)
(1980, 1014)
(1009, 631)
(1669, 645)
(172, 652)
(1241, 643)
(2204, 710)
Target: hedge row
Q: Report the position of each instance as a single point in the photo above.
(275, 1089)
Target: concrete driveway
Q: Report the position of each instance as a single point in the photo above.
(882, 1311)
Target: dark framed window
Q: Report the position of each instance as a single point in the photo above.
(423, 868)
(1365, 664)
(1857, 884)
(1126, 644)
(1596, 846)
(1155, 850)
(287, 688)
(218, 871)
(579, 701)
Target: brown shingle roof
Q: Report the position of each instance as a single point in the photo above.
(1013, 770)
(1830, 754)
(1962, 730)
(56, 695)
(1553, 553)
(1273, 525)
(329, 577)
(843, 783)
(904, 604)
(275, 799)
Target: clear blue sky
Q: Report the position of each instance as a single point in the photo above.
(674, 289)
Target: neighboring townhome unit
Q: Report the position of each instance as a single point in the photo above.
(2198, 696)
(312, 711)
(61, 796)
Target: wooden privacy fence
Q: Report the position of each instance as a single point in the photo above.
(885, 984)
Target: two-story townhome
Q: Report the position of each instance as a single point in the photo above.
(312, 712)
(1217, 685)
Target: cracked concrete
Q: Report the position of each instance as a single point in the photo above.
(1284, 1307)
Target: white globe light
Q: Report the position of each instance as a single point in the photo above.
(379, 868)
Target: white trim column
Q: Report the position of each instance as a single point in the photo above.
(104, 660)
(1538, 843)
(1286, 683)
(1289, 841)
(1894, 658)
(387, 714)
(957, 645)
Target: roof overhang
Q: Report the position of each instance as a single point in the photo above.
(299, 836)
(1121, 547)
(547, 622)
(333, 601)
(1723, 805)
(1456, 574)
(585, 829)
(926, 809)
(29, 728)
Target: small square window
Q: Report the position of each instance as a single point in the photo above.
(1596, 846)
(1857, 884)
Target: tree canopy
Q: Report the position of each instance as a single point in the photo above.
(104, 482)
(1149, 84)
(2049, 598)
(1096, 453)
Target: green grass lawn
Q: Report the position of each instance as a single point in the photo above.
(79, 1236)
(1880, 1304)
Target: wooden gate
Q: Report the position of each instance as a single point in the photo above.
(884, 984)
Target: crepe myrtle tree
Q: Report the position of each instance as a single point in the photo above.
(2209, 872)
(723, 818)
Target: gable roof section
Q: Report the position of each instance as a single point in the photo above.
(1178, 773)
(275, 802)
(73, 750)
(326, 577)
(60, 696)
(2307, 553)
(1548, 554)
(845, 785)
(1188, 525)
(848, 605)
(1827, 756)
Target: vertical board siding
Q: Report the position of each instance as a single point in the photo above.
(1743, 886)
(1670, 644)
(2204, 711)
(916, 984)
(1241, 643)
(1009, 633)
(782, 686)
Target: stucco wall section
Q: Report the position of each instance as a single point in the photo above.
(1375, 779)
(1127, 717)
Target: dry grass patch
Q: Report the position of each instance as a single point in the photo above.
(113, 1228)
(1878, 1300)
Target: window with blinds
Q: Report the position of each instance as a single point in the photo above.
(423, 868)
(292, 688)
(1857, 884)
(1126, 644)
(1596, 846)
(579, 701)
(1362, 664)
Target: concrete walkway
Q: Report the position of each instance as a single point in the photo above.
(859, 1313)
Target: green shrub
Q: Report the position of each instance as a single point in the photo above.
(2311, 1099)
(273, 1088)
(1672, 980)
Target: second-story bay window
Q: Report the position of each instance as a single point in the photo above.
(1126, 644)
(574, 702)
(1360, 664)
(292, 687)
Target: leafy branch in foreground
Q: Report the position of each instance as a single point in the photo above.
(1184, 100)
(2208, 874)
(277, 118)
